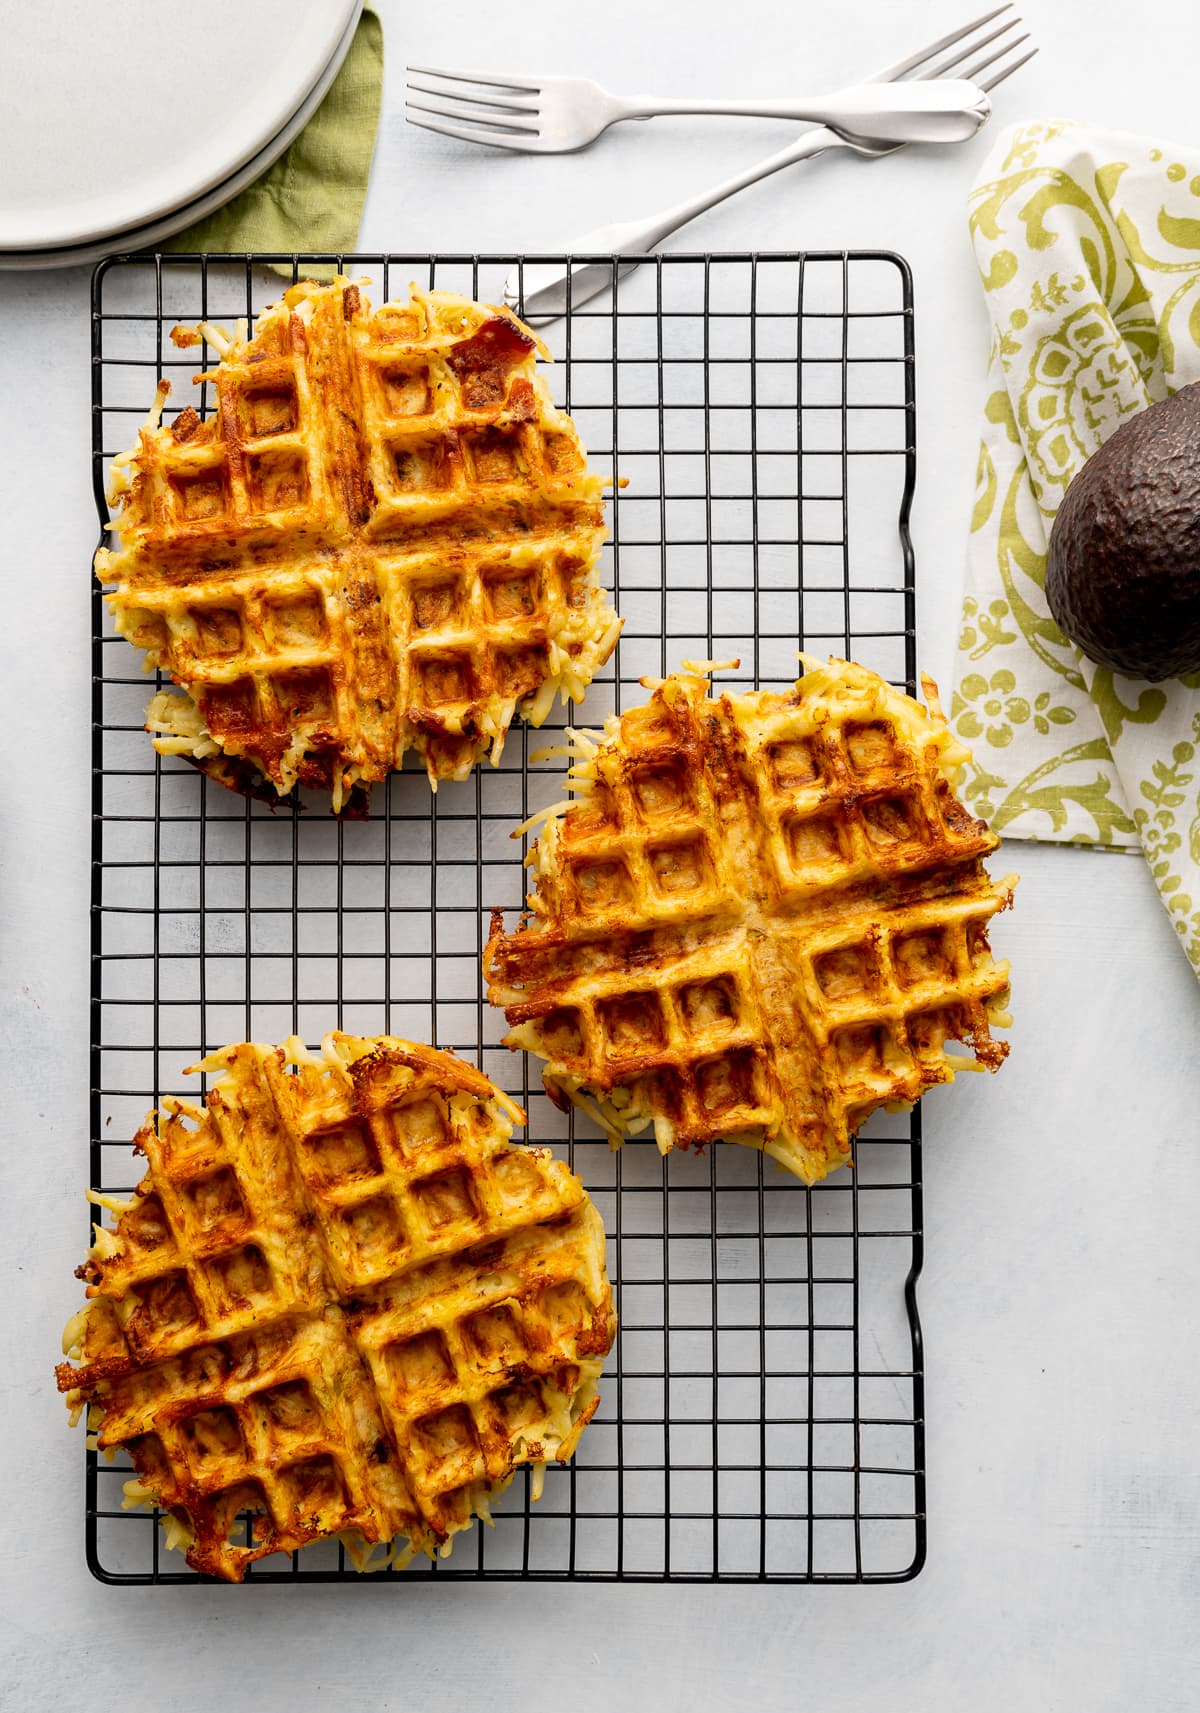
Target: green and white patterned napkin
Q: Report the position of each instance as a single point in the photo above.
(1089, 247)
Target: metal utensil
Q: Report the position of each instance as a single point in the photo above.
(540, 290)
(568, 113)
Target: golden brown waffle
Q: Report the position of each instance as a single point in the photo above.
(766, 918)
(386, 537)
(340, 1300)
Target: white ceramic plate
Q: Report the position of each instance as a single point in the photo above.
(116, 116)
(144, 237)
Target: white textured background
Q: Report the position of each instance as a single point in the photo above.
(1062, 1199)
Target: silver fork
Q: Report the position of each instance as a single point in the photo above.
(571, 113)
(539, 290)
(556, 115)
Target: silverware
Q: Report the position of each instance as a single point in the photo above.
(539, 290)
(560, 114)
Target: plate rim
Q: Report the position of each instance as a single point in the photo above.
(336, 38)
(129, 240)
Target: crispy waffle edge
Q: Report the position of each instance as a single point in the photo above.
(342, 1301)
(762, 918)
(385, 538)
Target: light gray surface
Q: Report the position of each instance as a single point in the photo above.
(1062, 1200)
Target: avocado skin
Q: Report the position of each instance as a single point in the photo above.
(1123, 570)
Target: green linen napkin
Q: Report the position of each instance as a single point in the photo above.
(1089, 247)
(312, 198)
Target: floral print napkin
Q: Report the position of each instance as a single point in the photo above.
(1089, 247)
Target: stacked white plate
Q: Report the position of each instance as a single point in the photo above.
(124, 122)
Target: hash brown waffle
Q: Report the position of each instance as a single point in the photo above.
(765, 919)
(386, 537)
(340, 1300)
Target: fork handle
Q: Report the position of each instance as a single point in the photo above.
(929, 110)
(540, 289)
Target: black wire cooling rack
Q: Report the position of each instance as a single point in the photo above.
(762, 1411)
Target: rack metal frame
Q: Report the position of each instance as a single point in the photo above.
(763, 1410)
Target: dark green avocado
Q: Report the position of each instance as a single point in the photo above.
(1123, 571)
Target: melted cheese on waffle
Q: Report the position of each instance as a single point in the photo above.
(386, 537)
(763, 918)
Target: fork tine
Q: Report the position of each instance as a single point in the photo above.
(508, 103)
(498, 79)
(947, 67)
(982, 65)
(1008, 71)
(893, 72)
(482, 120)
(471, 133)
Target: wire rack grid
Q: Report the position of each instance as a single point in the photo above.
(762, 1411)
